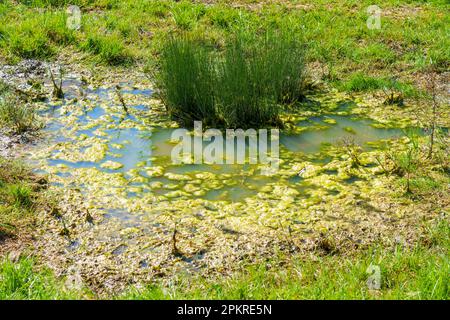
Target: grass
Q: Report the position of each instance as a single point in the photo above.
(17, 197)
(15, 115)
(186, 16)
(256, 75)
(420, 272)
(186, 81)
(21, 281)
(37, 36)
(405, 274)
(108, 48)
(352, 57)
(241, 86)
(360, 82)
(421, 175)
(21, 196)
(411, 36)
(53, 3)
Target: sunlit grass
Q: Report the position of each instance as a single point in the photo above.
(420, 272)
(408, 39)
(15, 115)
(405, 273)
(241, 86)
(21, 280)
(16, 196)
(186, 81)
(108, 48)
(359, 82)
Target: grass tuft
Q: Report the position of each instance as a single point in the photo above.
(360, 82)
(186, 16)
(109, 48)
(21, 280)
(15, 115)
(21, 195)
(16, 196)
(186, 81)
(243, 86)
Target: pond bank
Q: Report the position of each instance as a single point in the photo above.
(405, 273)
(117, 226)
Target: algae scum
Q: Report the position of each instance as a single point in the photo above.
(98, 136)
(156, 215)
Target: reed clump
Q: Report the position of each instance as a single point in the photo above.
(245, 85)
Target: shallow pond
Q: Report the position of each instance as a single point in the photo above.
(115, 164)
(332, 129)
(91, 130)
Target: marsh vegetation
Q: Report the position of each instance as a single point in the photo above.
(364, 147)
(16, 115)
(244, 85)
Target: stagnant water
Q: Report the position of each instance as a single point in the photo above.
(135, 144)
(120, 162)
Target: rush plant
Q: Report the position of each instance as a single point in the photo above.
(244, 85)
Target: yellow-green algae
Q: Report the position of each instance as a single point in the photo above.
(139, 209)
